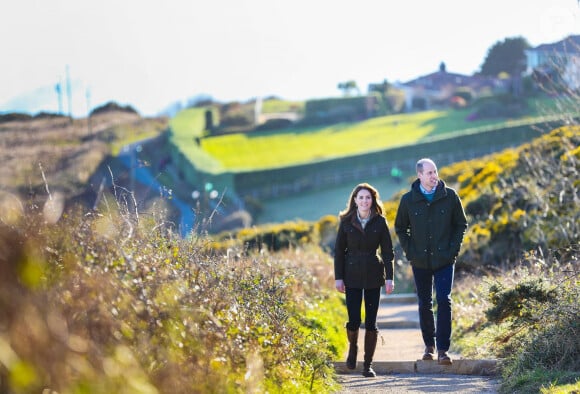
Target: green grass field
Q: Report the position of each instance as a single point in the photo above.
(242, 152)
(260, 150)
(311, 206)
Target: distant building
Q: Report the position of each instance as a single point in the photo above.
(556, 60)
(436, 90)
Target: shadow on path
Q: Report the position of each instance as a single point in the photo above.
(397, 359)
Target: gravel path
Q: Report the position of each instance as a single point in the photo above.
(418, 383)
(400, 340)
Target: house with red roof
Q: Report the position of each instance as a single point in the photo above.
(437, 89)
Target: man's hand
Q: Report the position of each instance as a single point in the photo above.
(339, 284)
(389, 286)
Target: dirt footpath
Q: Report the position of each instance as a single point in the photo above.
(418, 383)
(398, 348)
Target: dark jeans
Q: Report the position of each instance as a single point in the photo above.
(443, 279)
(354, 298)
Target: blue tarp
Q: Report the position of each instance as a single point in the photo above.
(142, 175)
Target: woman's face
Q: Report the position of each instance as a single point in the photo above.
(363, 200)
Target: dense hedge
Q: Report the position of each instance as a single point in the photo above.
(313, 175)
(516, 200)
(521, 199)
(337, 110)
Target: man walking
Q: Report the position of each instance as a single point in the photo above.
(430, 224)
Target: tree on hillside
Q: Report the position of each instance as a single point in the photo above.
(506, 56)
(384, 90)
(113, 106)
(381, 88)
(348, 87)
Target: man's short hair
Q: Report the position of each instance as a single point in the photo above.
(422, 161)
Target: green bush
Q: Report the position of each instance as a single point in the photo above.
(503, 106)
(520, 304)
(529, 318)
(521, 198)
(14, 116)
(550, 320)
(419, 103)
(336, 110)
(273, 237)
(112, 106)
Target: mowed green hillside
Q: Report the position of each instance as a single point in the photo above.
(260, 150)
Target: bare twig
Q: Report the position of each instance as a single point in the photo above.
(45, 181)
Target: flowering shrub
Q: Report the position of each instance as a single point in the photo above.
(106, 302)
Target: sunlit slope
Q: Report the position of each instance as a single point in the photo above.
(187, 127)
(252, 151)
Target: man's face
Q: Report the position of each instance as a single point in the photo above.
(429, 176)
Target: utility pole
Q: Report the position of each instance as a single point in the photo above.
(89, 111)
(69, 92)
(58, 88)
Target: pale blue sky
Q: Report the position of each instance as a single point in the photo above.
(151, 53)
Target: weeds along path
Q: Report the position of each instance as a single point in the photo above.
(397, 359)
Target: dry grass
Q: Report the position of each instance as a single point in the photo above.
(61, 152)
(104, 302)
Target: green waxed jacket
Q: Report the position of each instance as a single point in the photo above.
(431, 233)
(356, 258)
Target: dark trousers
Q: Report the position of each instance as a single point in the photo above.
(354, 299)
(443, 280)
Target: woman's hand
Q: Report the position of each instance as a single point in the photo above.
(389, 286)
(339, 284)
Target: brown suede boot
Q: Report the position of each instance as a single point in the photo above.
(352, 348)
(370, 346)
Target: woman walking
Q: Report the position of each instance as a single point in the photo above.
(363, 263)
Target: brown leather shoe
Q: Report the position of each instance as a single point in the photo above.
(429, 354)
(444, 358)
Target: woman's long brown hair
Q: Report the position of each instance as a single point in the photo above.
(376, 207)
